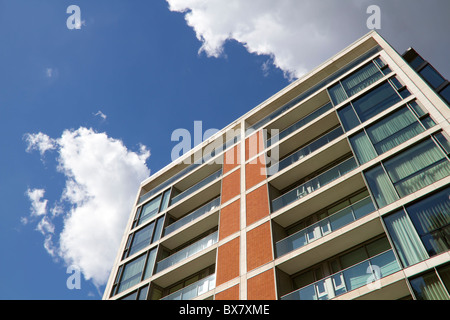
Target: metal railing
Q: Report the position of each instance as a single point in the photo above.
(364, 273)
(325, 226)
(314, 184)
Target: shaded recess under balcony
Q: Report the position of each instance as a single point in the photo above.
(369, 258)
(191, 192)
(192, 257)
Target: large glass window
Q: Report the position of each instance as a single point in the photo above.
(381, 187)
(348, 117)
(393, 130)
(429, 287)
(151, 208)
(386, 134)
(143, 237)
(417, 167)
(362, 147)
(354, 83)
(405, 239)
(133, 272)
(376, 101)
(431, 218)
(432, 76)
(369, 105)
(411, 170)
(445, 93)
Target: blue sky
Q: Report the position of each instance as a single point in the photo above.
(86, 114)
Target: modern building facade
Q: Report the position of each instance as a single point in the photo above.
(337, 187)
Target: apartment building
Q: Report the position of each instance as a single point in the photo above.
(336, 187)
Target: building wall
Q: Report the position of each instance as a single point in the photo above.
(246, 257)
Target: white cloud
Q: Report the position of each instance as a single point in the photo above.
(100, 114)
(38, 205)
(40, 141)
(296, 34)
(102, 178)
(300, 34)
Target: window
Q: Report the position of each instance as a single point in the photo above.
(405, 238)
(416, 62)
(417, 167)
(393, 130)
(432, 76)
(355, 82)
(381, 187)
(431, 218)
(368, 105)
(143, 237)
(429, 287)
(348, 117)
(133, 272)
(411, 170)
(444, 141)
(445, 93)
(151, 208)
(376, 101)
(362, 147)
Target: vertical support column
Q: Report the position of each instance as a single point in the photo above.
(228, 254)
(259, 251)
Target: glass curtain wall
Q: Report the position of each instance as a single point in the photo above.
(355, 82)
(407, 172)
(433, 285)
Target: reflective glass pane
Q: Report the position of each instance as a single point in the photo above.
(432, 76)
(361, 79)
(362, 147)
(417, 167)
(381, 187)
(404, 238)
(431, 218)
(149, 209)
(141, 239)
(356, 276)
(348, 117)
(428, 287)
(445, 93)
(393, 130)
(375, 101)
(337, 94)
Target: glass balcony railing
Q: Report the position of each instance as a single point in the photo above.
(303, 152)
(187, 252)
(299, 124)
(194, 290)
(193, 215)
(364, 273)
(325, 226)
(314, 184)
(196, 186)
(190, 168)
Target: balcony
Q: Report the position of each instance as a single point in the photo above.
(300, 123)
(203, 210)
(305, 151)
(314, 184)
(326, 226)
(354, 277)
(196, 187)
(194, 290)
(187, 252)
(192, 192)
